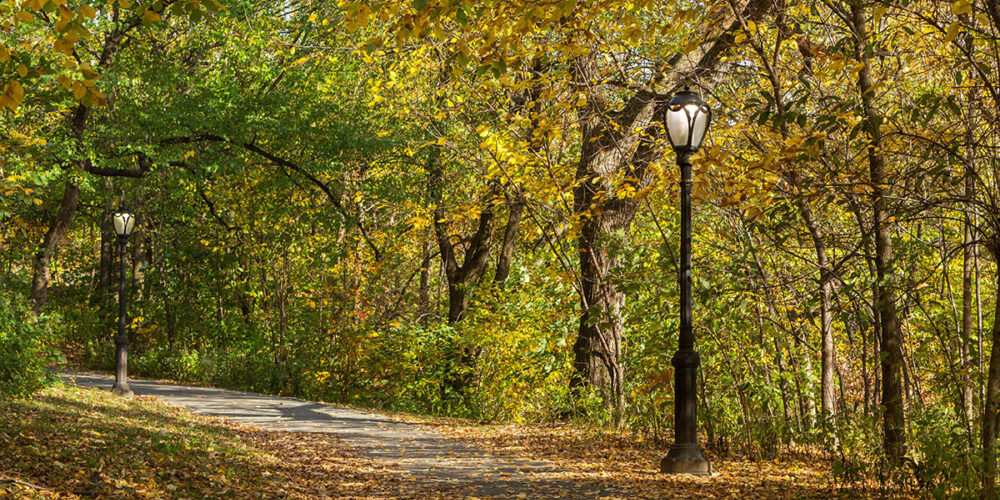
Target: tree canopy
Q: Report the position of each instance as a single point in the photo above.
(470, 208)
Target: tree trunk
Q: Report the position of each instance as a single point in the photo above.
(613, 142)
(969, 248)
(105, 283)
(968, 291)
(460, 276)
(991, 413)
(792, 176)
(71, 195)
(827, 349)
(598, 346)
(457, 301)
(516, 208)
(423, 292)
(54, 236)
(894, 423)
(829, 399)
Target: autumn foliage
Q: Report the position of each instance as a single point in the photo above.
(470, 209)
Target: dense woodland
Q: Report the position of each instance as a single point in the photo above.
(470, 209)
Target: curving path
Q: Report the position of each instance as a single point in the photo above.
(430, 460)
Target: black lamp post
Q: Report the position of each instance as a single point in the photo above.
(686, 121)
(124, 223)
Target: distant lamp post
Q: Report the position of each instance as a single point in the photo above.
(686, 121)
(124, 223)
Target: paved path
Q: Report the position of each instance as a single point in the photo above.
(431, 459)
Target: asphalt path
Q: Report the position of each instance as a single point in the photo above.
(429, 460)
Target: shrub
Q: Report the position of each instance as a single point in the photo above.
(23, 353)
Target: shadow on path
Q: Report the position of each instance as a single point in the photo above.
(429, 458)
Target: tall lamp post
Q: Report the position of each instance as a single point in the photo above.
(686, 120)
(124, 223)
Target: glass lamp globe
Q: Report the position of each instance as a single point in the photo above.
(687, 121)
(124, 221)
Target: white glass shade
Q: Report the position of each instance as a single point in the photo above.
(124, 222)
(687, 121)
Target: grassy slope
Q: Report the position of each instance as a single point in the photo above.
(71, 442)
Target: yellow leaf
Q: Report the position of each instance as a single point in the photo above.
(4, 54)
(961, 7)
(88, 11)
(14, 93)
(22, 70)
(441, 141)
(953, 30)
(24, 16)
(79, 90)
(879, 12)
(151, 16)
(64, 45)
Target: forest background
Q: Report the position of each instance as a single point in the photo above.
(470, 209)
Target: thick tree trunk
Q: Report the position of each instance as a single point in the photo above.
(612, 142)
(991, 413)
(71, 195)
(894, 423)
(57, 231)
(598, 348)
(605, 220)
(457, 301)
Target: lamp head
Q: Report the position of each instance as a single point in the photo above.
(687, 119)
(124, 221)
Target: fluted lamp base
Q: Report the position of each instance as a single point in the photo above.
(686, 459)
(122, 389)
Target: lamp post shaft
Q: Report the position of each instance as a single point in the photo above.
(121, 339)
(686, 339)
(685, 456)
